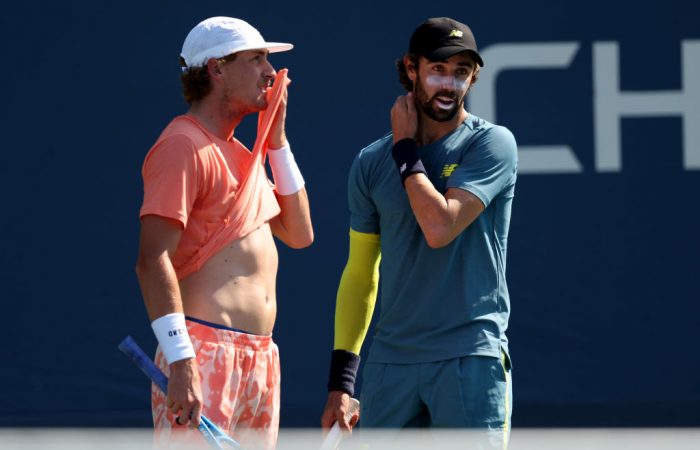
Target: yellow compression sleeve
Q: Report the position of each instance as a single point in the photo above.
(357, 292)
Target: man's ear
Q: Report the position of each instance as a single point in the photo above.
(410, 68)
(475, 76)
(214, 68)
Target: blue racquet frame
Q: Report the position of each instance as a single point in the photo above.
(213, 434)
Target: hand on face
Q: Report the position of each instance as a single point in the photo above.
(245, 81)
(404, 119)
(277, 137)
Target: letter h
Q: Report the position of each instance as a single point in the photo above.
(611, 105)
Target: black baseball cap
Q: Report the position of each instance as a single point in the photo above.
(439, 38)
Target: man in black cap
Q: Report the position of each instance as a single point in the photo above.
(433, 199)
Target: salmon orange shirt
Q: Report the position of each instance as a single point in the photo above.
(218, 190)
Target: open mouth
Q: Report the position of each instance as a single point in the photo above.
(264, 86)
(444, 103)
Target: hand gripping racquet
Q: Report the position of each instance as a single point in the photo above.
(216, 438)
(335, 435)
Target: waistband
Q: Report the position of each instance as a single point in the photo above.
(216, 325)
(219, 334)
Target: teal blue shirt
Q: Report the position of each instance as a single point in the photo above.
(437, 304)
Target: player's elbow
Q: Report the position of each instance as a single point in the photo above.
(141, 267)
(437, 242)
(437, 237)
(301, 240)
(147, 262)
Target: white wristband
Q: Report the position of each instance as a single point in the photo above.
(173, 338)
(285, 171)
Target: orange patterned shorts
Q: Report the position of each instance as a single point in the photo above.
(240, 375)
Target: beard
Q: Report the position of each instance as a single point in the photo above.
(428, 104)
(246, 99)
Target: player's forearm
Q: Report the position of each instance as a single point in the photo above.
(161, 294)
(357, 292)
(435, 214)
(293, 224)
(354, 307)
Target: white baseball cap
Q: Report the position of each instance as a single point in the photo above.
(217, 37)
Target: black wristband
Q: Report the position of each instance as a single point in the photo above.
(343, 372)
(405, 153)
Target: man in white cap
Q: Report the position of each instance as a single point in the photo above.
(207, 258)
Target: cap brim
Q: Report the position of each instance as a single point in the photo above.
(273, 47)
(443, 53)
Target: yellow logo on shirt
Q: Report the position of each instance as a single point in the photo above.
(447, 170)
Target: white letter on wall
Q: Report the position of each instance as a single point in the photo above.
(611, 105)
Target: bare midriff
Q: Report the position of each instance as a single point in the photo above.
(236, 287)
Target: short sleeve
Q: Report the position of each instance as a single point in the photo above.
(488, 166)
(170, 179)
(363, 212)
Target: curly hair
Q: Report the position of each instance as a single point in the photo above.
(415, 59)
(403, 73)
(196, 82)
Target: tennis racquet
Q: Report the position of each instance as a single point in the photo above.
(216, 438)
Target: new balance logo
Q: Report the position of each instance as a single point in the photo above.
(447, 170)
(456, 33)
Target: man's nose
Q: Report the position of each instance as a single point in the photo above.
(448, 83)
(270, 71)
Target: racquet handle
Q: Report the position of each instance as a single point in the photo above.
(133, 351)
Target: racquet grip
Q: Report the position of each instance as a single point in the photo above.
(139, 357)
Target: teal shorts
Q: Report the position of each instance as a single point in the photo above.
(466, 392)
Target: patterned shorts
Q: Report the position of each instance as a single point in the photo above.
(240, 375)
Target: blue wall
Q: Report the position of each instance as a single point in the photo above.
(602, 265)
